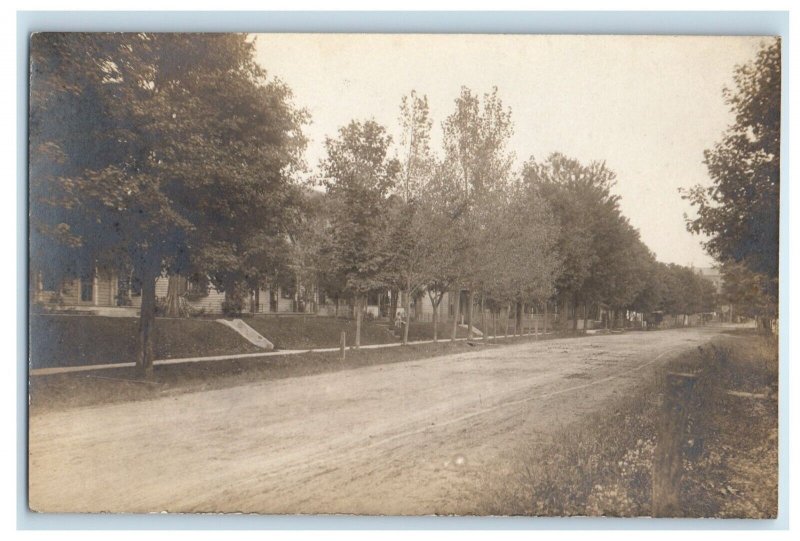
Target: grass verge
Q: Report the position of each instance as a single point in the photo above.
(76, 340)
(603, 465)
(73, 340)
(60, 391)
(305, 332)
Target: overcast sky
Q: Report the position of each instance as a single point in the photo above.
(646, 105)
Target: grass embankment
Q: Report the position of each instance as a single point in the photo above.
(306, 332)
(603, 465)
(59, 391)
(72, 340)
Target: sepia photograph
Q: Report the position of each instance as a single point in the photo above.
(403, 274)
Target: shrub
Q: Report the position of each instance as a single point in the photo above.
(232, 306)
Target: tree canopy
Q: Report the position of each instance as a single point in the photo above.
(739, 211)
(174, 153)
(158, 152)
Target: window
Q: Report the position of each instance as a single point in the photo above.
(136, 287)
(372, 298)
(128, 286)
(87, 288)
(197, 285)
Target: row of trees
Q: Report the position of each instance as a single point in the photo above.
(464, 219)
(173, 153)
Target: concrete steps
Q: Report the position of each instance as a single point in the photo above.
(248, 333)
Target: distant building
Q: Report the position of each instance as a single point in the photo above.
(714, 275)
(711, 274)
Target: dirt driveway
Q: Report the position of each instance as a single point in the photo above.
(404, 438)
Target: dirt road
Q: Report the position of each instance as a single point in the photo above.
(403, 438)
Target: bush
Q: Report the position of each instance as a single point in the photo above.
(161, 306)
(232, 307)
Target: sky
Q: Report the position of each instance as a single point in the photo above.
(646, 105)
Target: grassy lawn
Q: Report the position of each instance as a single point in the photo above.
(603, 465)
(70, 340)
(306, 332)
(59, 391)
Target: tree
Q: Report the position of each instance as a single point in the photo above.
(156, 152)
(440, 213)
(650, 296)
(745, 291)
(412, 247)
(534, 231)
(475, 138)
(739, 211)
(521, 262)
(359, 177)
(587, 214)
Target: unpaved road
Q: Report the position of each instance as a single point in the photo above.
(404, 438)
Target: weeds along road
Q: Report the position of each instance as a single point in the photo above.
(403, 438)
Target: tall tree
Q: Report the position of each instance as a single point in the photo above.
(441, 213)
(359, 176)
(739, 211)
(416, 250)
(531, 236)
(475, 138)
(156, 150)
(585, 209)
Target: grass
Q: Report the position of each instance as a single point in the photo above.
(299, 332)
(71, 340)
(602, 466)
(116, 385)
(74, 340)
(60, 391)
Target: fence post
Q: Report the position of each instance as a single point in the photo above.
(668, 459)
(343, 344)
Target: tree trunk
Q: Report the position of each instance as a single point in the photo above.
(469, 314)
(393, 306)
(435, 322)
(525, 329)
(483, 319)
(544, 323)
(147, 319)
(456, 310)
(407, 307)
(508, 313)
(575, 314)
(256, 299)
(358, 321)
(518, 318)
(175, 287)
(435, 307)
(585, 318)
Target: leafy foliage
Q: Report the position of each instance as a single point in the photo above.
(158, 152)
(359, 176)
(740, 210)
